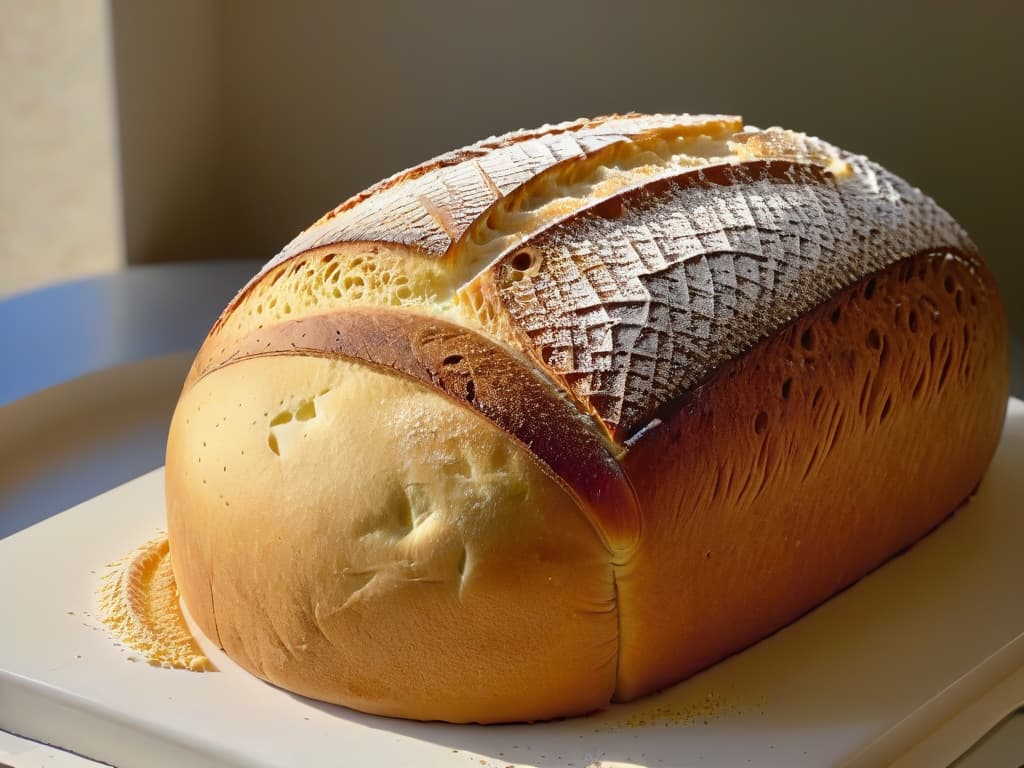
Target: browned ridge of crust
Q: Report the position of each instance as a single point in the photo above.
(474, 371)
(431, 205)
(462, 184)
(457, 156)
(632, 301)
(633, 285)
(627, 277)
(508, 286)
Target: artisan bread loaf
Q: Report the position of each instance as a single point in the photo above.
(570, 414)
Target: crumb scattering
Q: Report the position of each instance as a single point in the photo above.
(701, 711)
(139, 605)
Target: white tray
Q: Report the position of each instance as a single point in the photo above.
(871, 675)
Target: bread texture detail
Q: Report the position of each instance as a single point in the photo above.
(568, 415)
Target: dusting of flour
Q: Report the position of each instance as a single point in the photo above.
(139, 605)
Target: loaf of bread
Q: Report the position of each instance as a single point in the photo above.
(567, 415)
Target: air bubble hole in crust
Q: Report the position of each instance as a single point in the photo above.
(945, 370)
(818, 394)
(932, 295)
(306, 411)
(885, 409)
(883, 355)
(761, 423)
(865, 393)
(521, 260)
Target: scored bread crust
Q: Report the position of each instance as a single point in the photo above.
(472, 371)
(730, 372)
(809, 461)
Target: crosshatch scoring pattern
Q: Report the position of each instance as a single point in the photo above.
(634, 303)
(629, 258)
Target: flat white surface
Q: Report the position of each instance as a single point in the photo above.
(873, 672)
(22, 753)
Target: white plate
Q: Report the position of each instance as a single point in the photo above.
(859, 681)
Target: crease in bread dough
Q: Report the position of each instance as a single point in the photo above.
(139, 605)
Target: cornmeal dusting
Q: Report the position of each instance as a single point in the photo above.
(711, 707)
(139, 604)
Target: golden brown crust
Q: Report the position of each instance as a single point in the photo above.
(474, 372)
(449, 579)
(664, 383)
(808, 462)
(426, 208)
(635, 300)
(432, 204)
(472, 152)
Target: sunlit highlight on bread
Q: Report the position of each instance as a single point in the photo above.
(570, 414)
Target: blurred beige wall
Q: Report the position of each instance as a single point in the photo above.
(241, 121)
(325, 98)
(172, 101)
(60, 210)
